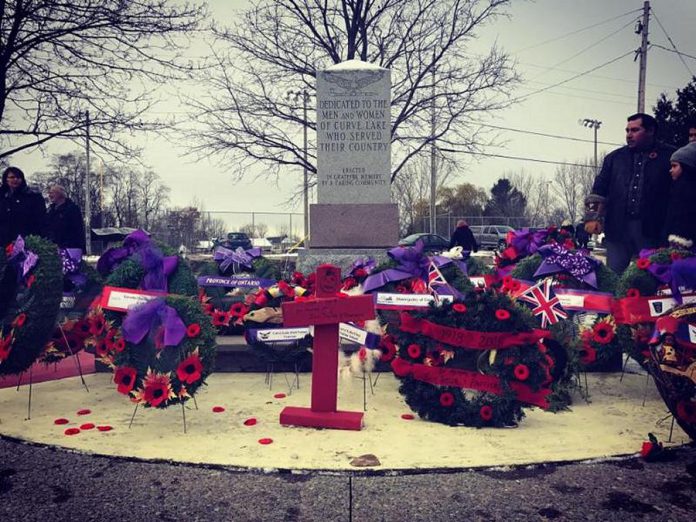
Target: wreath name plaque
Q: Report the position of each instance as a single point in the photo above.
(122, 299)
(325, 312)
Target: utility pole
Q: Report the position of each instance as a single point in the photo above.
(594, 125)
(88, 203)
(643, 55)
(433, 162)
(295, 94)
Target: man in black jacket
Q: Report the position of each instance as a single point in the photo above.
(632, 191)
(64, 225)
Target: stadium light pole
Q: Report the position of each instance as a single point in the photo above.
(594, 125)
(304, 95)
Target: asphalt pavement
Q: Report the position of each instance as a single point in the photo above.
(39, 483)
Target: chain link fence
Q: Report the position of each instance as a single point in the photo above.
(445, 223)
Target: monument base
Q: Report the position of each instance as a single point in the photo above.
(309, 260)
(368, 225)
(336, 420)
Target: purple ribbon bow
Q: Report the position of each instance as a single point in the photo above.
(25, 259)
(148, 317)
(236, 258)
(116, 255)
(412, 262)
(557, 258)
(367, 264)
(526, 242)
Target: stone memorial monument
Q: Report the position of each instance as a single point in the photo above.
(354, 215)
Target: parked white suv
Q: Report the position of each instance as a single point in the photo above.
(491, 236)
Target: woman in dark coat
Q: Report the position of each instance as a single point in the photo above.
(680, 223)
(463, 236)
(22, 211)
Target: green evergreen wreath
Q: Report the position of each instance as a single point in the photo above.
(29, 318)
(637, 281)
(157, 376)
(596, 351)
(528, 363)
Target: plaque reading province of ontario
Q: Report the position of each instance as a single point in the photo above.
(354, 208)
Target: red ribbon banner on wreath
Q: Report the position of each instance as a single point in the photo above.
(471, 339)
(633, 310)
(469, 380)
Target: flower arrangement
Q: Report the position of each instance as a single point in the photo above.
(166, 361)
(649, 275)
(573, 269)
(30, 301)
(525, 242)
(475, 362)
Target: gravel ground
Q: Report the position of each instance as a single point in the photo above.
(47, 484)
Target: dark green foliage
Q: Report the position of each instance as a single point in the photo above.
(674, 117)
(39, 303)
(607, 280)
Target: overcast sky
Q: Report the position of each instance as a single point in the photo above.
(552, 41)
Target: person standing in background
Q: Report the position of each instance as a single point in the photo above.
(463, 236)
(64, 223)
(22, 210)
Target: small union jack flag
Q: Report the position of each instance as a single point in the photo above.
(541, 299)
(437, 280)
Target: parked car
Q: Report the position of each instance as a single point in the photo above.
(235, 240)
(491, 236)
(432, 242)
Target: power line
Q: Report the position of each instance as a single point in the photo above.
(518, 158)
(572, 77)
(578, 31)
(673, 51)
(672, 43)
(593, 44)
(545, 135)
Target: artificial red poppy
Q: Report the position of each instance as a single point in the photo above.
(193, 330)
(124, 377)
(261, 299)
(502, 315)
(265, 441)
(446, 399)
(286, 289)
(297, 278)
(486, 412)
(190, 369)
(418, 286)
(602, 333)
(362, 354)
(84, 411)
(359, 273)
(119, 345)
(643, 263)
(61, 421)
(686, 410)
(414, 351)
(388, 348)
(652, 155)
(9, 248)
(569, 244)
(220, 318)
(588, 355)
(509, 253)
(157, 389)
(97, 323)
(279, 396)
(102, 347)
(87, 426)
(250, 422)
(632, 292)
(104, 427)
(238, 310)
(19, 320)
(459, 307)
(218, 409)
(349, 283)
(72, 431)
(521, 372)
(675, 255)
(407, 416)
(74, 343)
(81, 328)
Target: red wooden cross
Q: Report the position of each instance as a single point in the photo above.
(325, 313)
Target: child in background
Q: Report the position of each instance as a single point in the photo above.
(680, 224)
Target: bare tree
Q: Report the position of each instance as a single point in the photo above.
(571, 185)
(153, 196)
(60, 58)
(541, 202)
(247, 118)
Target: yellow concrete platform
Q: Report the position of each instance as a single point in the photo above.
(614, 423)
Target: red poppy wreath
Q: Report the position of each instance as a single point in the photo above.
(476, 362)
(162, 353)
